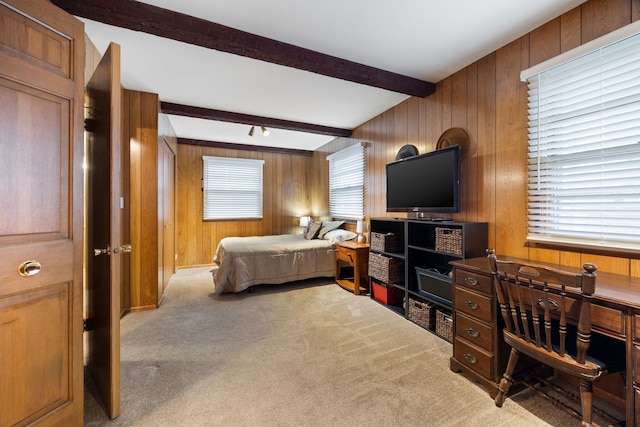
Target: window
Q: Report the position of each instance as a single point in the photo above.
(584, 148)
(232, 188)
(346, 182)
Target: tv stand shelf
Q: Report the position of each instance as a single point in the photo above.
(429, 246)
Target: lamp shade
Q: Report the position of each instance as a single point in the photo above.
(360, 227)
(304, 221)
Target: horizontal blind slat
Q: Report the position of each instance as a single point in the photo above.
(584, 149)
(347, 182)
(232, 188)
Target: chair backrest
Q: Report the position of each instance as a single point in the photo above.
(532, 314)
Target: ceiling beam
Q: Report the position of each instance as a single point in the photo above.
(262, 148)
(166, 23)
(248, 119)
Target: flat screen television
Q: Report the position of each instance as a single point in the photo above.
(428, 182)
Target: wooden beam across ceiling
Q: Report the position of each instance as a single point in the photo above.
(166, 23)
(226, 116)
(262, 148)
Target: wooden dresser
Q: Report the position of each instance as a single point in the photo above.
(481, 353)
(477, 348)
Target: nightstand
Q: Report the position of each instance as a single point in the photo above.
(356, 256)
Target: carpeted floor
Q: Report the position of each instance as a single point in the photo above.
(302, 354)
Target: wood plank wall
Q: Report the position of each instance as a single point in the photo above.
(485, 98)
(488, 100)
(140, 127)
(285, 193)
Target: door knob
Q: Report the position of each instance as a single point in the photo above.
(122, 249)
(29, 268)
(97, 252)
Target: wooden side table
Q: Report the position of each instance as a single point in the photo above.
(356, 255)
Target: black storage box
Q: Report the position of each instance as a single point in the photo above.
(435, 286)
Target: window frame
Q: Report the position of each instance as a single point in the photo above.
(232, 178)
(566, 157)
(347, 178)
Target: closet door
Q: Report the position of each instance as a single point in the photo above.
(166, 215)
(41, 219)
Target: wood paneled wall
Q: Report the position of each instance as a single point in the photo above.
(286, 196)
(140, 131)
(488, 100)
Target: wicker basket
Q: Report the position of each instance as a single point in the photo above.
(422, 313)
(389, 242)
(449, 240)
(386, 269)
(444, 324)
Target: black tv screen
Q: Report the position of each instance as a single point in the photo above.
(428, 182)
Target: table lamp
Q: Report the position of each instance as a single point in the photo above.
(360, 231)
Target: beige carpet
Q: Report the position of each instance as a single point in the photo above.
(304, 354)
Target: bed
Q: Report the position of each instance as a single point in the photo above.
(244, 262)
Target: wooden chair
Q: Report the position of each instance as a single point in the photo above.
(546, 324)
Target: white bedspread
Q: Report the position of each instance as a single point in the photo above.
(249, 261)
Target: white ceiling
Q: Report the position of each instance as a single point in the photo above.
(424, 39)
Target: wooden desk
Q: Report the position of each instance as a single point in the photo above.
(356, 255)
(480, 352)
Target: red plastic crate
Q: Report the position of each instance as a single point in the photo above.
(389, 296)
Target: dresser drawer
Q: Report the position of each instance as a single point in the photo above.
(475, 281)
(344, 254)
(474, 304)
(603, 318)
(473, 331)
(608, 319)
(474, 357)
(636, 363)
(636, 394)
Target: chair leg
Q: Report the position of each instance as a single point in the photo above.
(586, 401)
(507, 378)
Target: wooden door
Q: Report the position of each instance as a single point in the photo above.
(105, 248)
(166, 211)
(41, 219)
(170, 209)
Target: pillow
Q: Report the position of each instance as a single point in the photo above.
(306, 229)
(312, 231)
(328, 226)
(339, 235)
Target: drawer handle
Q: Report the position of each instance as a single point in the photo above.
(470, 281)
(470, 304)
(473, 332)
(470, 358)
(553, 305)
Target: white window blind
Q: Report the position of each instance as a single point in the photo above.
(232, 188)
(347, 182)
(584, 149)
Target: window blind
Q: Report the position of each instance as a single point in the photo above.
(232, 188)
(347, 182)
(584, 149)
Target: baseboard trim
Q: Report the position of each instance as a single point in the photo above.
(142, 308)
